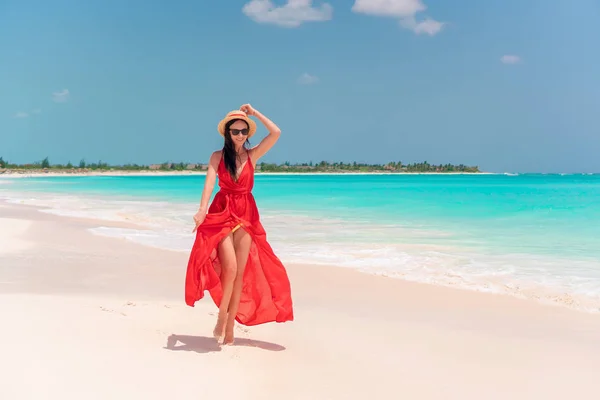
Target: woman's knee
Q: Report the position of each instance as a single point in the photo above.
(229, 269)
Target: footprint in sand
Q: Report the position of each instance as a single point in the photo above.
(242, 329)
(231, 351)
(111, 311)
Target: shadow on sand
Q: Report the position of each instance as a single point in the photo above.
(203, 344)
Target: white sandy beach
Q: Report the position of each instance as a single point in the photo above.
(90, 317)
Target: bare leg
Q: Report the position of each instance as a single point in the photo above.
(227, 258)
(241, 242)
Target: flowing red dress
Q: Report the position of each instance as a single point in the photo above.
(266, 293)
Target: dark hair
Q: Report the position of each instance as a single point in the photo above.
(229, 154)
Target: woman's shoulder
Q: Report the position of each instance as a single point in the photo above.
(215, 158)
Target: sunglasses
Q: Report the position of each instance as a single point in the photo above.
(236, 132)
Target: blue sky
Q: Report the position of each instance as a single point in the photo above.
(507, 85)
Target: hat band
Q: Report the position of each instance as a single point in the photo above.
(237, 115)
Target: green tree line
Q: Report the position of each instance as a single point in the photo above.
(322, 166)
(325, 166)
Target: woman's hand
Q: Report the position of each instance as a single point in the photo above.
(248, 109)
(199, 219)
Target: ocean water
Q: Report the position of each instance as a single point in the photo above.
(534, 236)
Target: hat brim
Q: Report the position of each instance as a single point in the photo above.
(237, 115)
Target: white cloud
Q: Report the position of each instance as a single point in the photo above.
(23, 114)
(429, 26)
(510, 59)
(307, 79)
(290, 15)
(389, 8)
(405, 10)
(61, 96)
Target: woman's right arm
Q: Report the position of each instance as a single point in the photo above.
(209, 185)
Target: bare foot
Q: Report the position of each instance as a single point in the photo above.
(219, 328)
(228, 336)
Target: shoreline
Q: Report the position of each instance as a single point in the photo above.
(90, 223)
(109, 308)
(532, 291)
(546, 296)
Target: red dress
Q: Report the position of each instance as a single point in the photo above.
(266, 292)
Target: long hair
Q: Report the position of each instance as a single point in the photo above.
(229, 154)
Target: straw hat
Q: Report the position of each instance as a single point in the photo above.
(237, 114)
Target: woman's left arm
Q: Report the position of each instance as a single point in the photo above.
(268, 141)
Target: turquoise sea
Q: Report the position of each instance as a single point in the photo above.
(531, 235)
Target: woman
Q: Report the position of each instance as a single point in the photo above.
(231, 257)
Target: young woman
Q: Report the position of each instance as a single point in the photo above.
(231, 257)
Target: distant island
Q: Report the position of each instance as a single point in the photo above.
(83, 167)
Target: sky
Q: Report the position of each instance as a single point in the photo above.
(510, 86)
